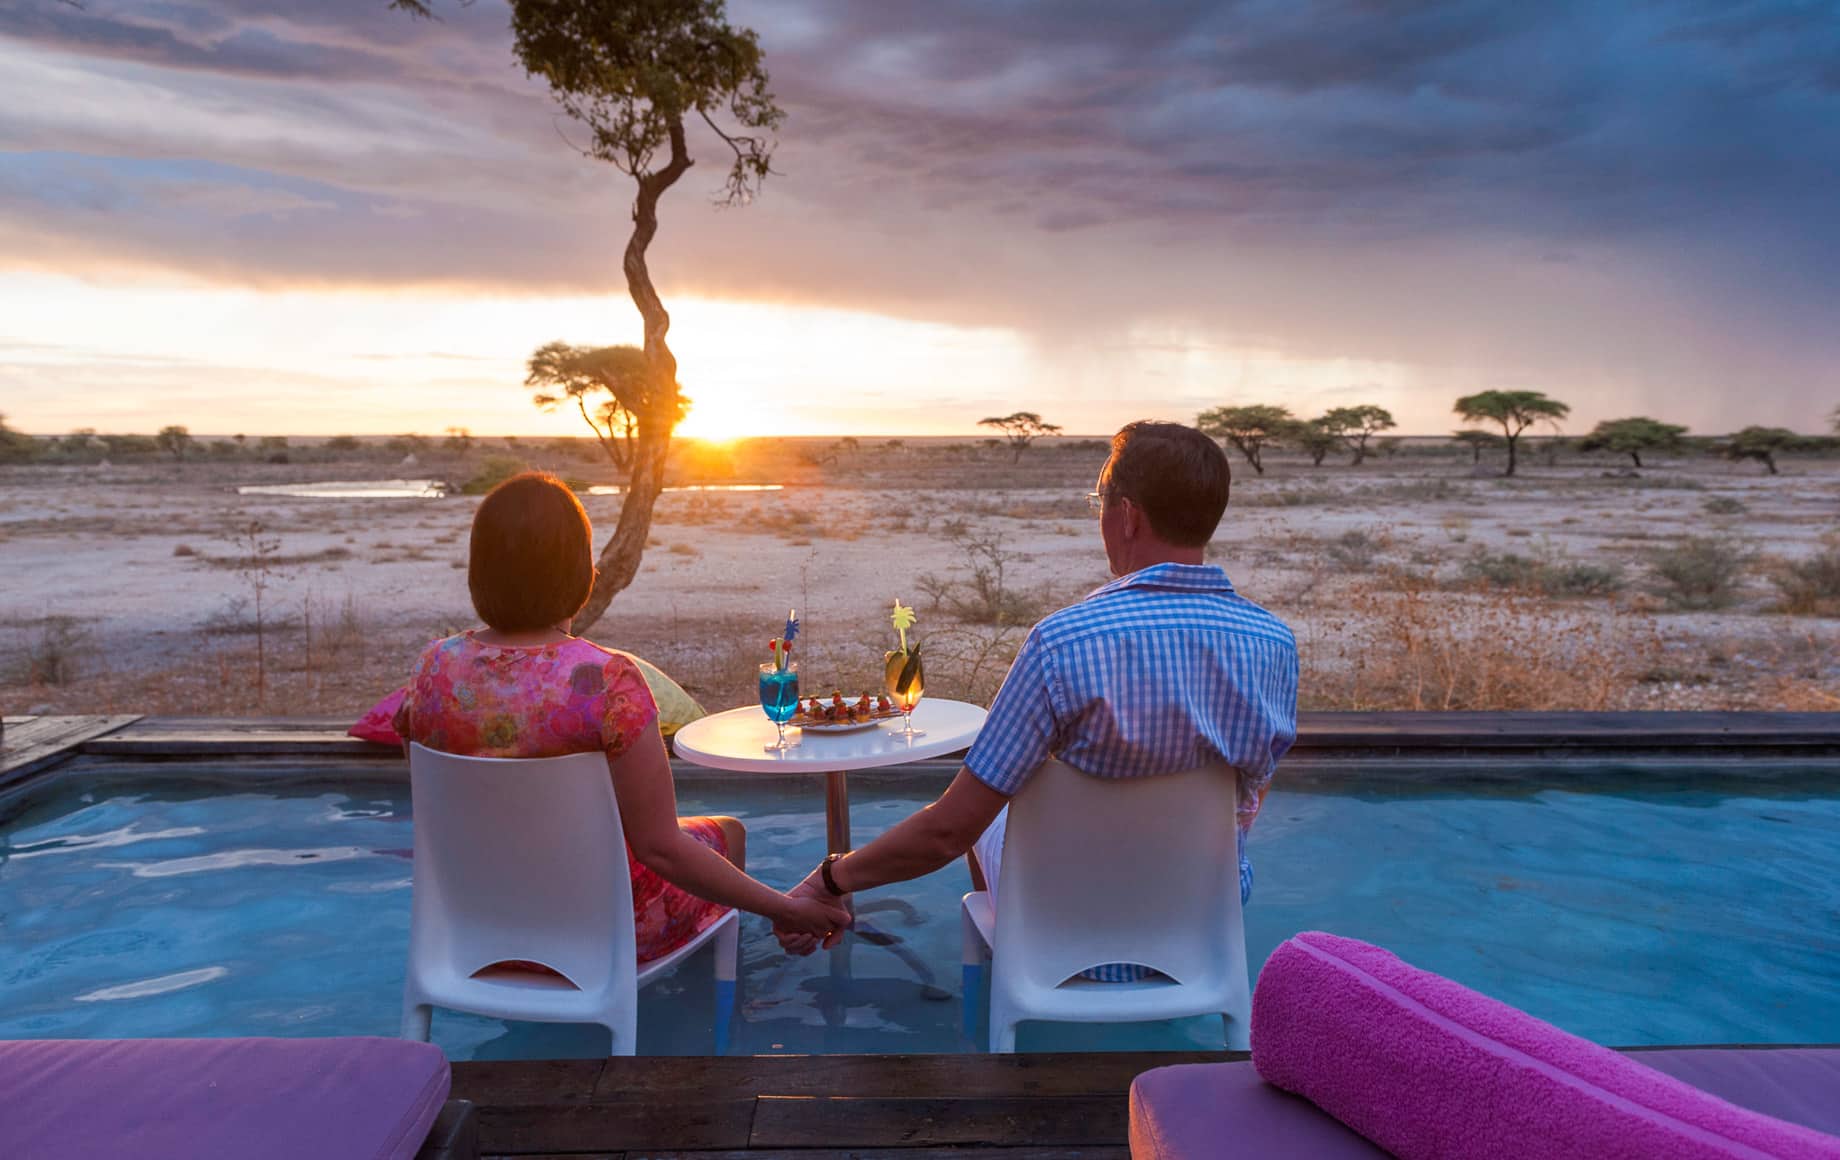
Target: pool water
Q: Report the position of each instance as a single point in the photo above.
(1692, 913)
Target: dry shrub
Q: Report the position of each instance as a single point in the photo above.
(50, 656)
(1810, 586)
(1547, 574)
(1700, 572)
(1414, 648)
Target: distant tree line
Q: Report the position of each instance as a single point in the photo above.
(177, 444)
(1501, 418)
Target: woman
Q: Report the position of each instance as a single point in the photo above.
(524, 687)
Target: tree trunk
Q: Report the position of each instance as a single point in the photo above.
(1769, 461)
(1513, 440)
(619, 559)
(1475, 452)
(1637, 456)
(1360, 453)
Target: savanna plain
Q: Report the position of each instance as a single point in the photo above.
(1418, 579)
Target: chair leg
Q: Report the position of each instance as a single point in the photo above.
(1237, 1030)
(624, 1028)
(1003, 1038)
(728, 955)
(972, 972)
(971, 985)
(416, 1021)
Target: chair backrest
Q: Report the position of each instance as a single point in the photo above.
(521, 859)
(1121, 870)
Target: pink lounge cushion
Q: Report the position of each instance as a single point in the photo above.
(1425, 1067)
(204, 1099)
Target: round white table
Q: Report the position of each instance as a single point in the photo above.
(737, 740)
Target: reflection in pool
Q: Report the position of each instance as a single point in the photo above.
(352, 489)
(1621, 908)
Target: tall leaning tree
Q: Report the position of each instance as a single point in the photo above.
(1515, 411)
(638, 74)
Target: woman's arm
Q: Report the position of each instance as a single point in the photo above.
(648, 809)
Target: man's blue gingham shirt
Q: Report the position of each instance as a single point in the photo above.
(1157, 672)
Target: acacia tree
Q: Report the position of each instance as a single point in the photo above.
(1476, 440)
(610, 385)
(174, 440)
(15, 446)
(1356, 425)
(1515, 411)
(1762, 444)
(1632, 437)
(1250, 428)
(635, 74)
(1021, 429)
(1314, 438)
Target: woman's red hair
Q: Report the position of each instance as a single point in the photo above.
(531, 563)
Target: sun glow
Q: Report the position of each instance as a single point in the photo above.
(227, 359)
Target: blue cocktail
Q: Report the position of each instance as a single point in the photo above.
(779, 697)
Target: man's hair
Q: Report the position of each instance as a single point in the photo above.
(531, 561)
(1177, 475)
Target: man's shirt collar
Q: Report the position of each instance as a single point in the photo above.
(1170, 578)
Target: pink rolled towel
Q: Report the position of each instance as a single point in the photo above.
(1427, 1068)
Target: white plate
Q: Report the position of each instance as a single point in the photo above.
(846, 727)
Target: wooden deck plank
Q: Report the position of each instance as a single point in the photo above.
(690, 1123)
(37, 743)
(922, 1076)
(1061, 1152)
(690, 1104)
(234, 736)
(850, 1121)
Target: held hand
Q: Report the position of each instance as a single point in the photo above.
(797, 940)
(807, 918)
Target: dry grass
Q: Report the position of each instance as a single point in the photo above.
(1415, 648)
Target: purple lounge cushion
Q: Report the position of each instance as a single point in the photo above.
(202, 1099)
(1195, 1110)
(1797, 1084)
(1428, 1068)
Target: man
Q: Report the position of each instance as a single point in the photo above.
(1162, 670)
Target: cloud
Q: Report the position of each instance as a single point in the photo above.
(1627, 194)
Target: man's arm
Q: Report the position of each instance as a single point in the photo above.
(926, 840)
(1017, 737)
(920, 844)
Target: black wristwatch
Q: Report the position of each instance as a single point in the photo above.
(824, 872)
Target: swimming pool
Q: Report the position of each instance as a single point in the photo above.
(1638, 911)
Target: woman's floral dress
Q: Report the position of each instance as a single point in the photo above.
(485, 700)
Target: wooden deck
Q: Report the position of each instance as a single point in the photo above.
(31, 744)
(1020, 1107)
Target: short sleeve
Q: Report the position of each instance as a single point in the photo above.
(627, 707)
(1019, 733)
(403, 720)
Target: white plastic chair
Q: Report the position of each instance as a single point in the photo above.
(526, 859)
(1113, 870)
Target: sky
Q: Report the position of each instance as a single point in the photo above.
(330, 218)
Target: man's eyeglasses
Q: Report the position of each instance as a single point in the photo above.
(1096, 501)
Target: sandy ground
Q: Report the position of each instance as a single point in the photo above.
(120, 588)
